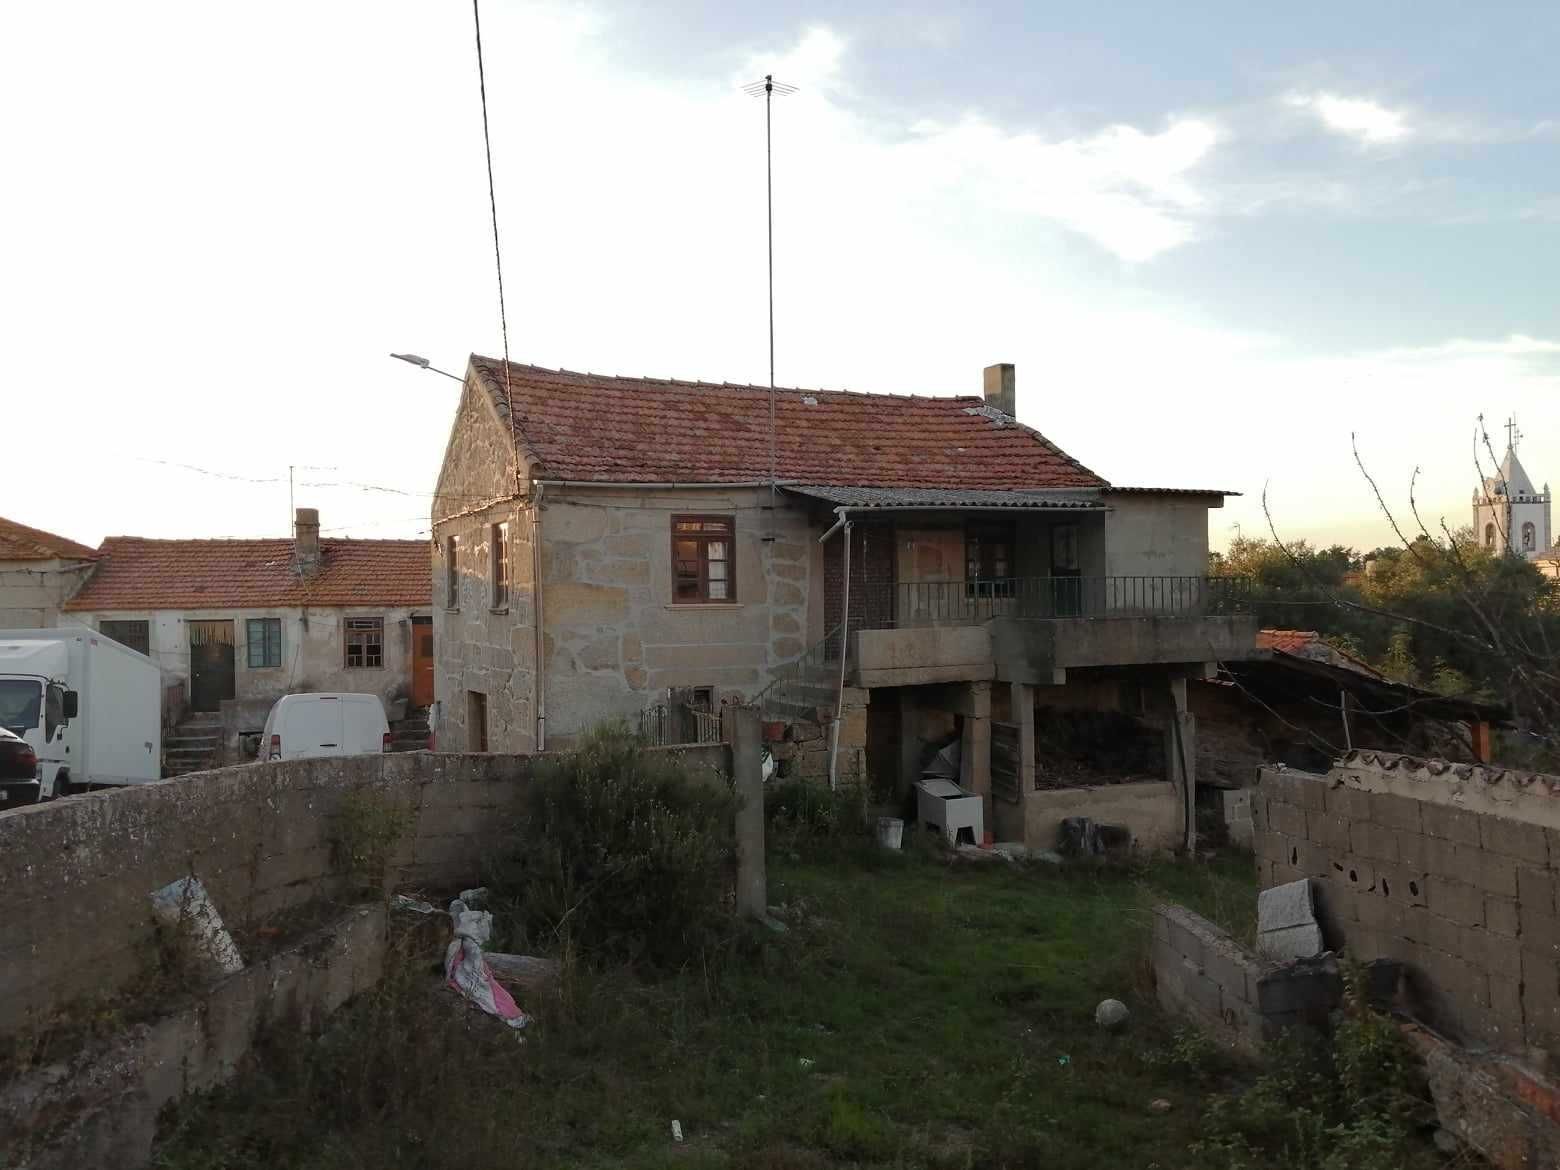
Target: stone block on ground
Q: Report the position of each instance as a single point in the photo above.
(1286, 922)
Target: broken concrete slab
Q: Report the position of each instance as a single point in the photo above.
(1286, 922)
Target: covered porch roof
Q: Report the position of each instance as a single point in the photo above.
(867, 499)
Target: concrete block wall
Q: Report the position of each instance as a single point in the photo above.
(77, 872)
(1453, 870)
(1200, 972)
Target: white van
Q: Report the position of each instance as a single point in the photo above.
(303, 726)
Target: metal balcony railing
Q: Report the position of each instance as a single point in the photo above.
(910, 604)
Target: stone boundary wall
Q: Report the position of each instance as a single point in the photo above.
(99, 1107)
(261, 837)
(1200, 972)
(1453, 870)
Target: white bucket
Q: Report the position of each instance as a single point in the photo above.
(891, 832)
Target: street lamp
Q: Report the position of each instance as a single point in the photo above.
(423, 363)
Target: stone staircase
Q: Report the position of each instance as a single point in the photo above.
(410, 734)
(195, 745)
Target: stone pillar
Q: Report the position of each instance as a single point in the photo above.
(910, 743)
(975, 756)
(1181, 757)
(1022, 702)
(747, 775)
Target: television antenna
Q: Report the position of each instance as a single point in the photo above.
(769, 89)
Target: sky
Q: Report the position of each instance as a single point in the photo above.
(1224, 244)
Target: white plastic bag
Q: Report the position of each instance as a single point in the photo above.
(185, 902)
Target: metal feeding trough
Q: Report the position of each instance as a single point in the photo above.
(956, 812)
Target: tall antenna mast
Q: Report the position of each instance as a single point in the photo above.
(768, 88)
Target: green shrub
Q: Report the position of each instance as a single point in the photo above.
(803, 808)
(1353, 1102)
(622, 855)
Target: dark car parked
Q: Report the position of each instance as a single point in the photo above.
(18, 771)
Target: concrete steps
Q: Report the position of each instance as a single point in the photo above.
(410, 734)
(194, 745)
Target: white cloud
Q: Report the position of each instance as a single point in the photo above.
(1362, 119)
(229, 299)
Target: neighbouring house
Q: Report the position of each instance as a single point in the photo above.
(38, 573)
(612, 547)
(243, 622)
(1303, 703)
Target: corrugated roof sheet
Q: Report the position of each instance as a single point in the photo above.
(1153, 491)
(649, 430)
(875, 497)
(139, 574)
(19, 542)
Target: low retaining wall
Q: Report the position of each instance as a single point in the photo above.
(1453, 870)
(1202, 973)
(263, 838)
(99, 1107)
(1151, 810)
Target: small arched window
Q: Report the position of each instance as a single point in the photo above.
(1489, 536)
(1529, 537)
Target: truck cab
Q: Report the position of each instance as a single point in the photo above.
(36, 705)
(89, 708)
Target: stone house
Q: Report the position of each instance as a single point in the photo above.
(243, 622)
(616, 545)
(38, 573)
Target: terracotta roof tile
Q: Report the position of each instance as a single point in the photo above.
(18, 542)
(136, 573)
(648, 430)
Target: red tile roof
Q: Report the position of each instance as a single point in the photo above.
(135, 573)
(18, 542)
(649, 430)
(1310, 644)
(1289, 641)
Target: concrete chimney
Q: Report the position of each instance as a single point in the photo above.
(306, 540)
(1001, 388)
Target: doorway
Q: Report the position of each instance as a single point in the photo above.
(211, 664)
(476, 722)
(422, 662)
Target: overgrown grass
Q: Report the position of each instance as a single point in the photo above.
(917, 1013)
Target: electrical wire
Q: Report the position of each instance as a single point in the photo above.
(498, 255)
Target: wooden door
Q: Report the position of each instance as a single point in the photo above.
(422, 662)
(211, 664)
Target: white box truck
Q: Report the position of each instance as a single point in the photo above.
(90, 708)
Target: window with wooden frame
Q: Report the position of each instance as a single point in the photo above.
(264, 636)
(498, 557)
(365, 643)
(136, 635)
(703, 564)
(451, 573)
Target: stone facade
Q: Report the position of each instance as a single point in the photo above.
(484, 652)
(614, 640)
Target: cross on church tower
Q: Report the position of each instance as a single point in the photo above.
(1513, 433)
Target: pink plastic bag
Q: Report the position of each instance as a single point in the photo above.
(466, 971)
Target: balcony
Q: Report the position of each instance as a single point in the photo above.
(1033, 629)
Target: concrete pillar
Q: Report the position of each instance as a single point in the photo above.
(747, 775)
(1181, 757)
(975, 757)
(910, 745)
(1022, 704)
